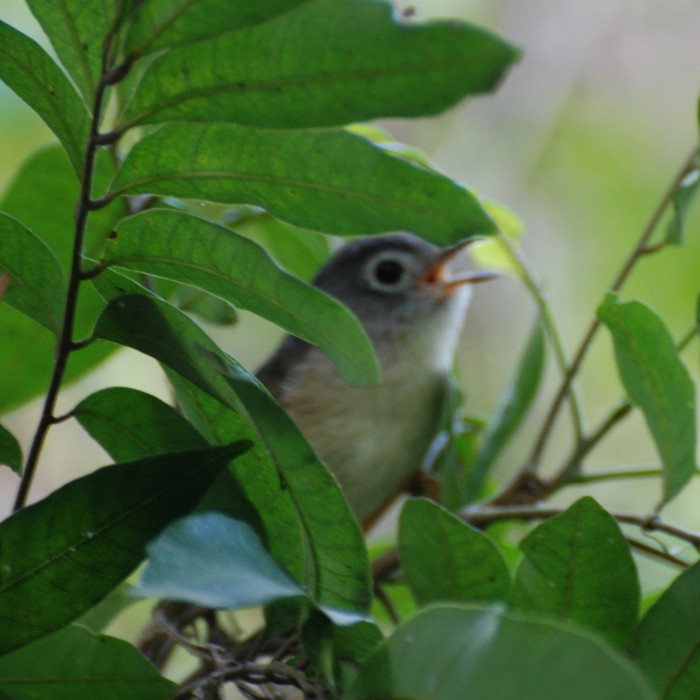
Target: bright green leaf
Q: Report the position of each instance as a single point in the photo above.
(658, 382)
(206, 306)
(10, 450)
(681, 201)
(448, 652)
(131, 424)
(60, 558)
(208, 256)
(29, 71)
(327, 63)
(37, 282)
(211, 560)
(512, 408)
(335, 566)
(158, 24)
(98, 618)
(578, 567)
(73, 663)
(667, 641)
(327, 180)
(77, 31)
(444, 559)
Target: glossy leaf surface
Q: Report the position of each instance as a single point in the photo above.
(447, 652)
(208, 256)
(60, 558)
(578, 567)
(658, 382)
(444, 559)
(328, 63)
(327, 180)
(73, 663)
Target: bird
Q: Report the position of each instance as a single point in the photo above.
(374, 438)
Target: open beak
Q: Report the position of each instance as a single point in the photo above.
(438, 273)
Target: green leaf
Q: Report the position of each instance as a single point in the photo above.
(447, 652)
(60, 558)
(98, 618)
(29, 71)
(657, 381)
(37, 284)
(327, 63)
(667, 641)
(130, 424)
(335, 568)
(77, 33)
(73, 663)
(327, 180)
(211, 560)
(512, 408)
(208, 256)
(10, 450)
(682, 199)
(444, 559)
(207, 307)
(161, 24)
(577, 566)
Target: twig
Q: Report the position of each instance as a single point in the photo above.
(659, 553)
(533, 461)
(65, 344)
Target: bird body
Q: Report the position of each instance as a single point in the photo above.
(374, 438)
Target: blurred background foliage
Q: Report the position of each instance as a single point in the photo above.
(580, 141)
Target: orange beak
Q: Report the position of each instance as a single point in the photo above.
(437, 274)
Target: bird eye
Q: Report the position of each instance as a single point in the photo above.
(388, 272)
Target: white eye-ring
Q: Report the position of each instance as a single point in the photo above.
(390, 271)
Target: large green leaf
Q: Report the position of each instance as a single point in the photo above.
(77, 31)
(63, 554)
(328, 63)
(578, 567)
(37, 282)
(131, 424)
(212, 560)
(667, 641)
(512, 408)
(448, 652)
(444, 559)
(327, 180)
(29, 71)
(73, 663)
(208, 256)
(158, 24)
(334, 566)
(658, 382)
(10, 450)
(43, 196)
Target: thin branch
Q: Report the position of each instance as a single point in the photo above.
(65, 339)
(615, 474)
(659, 553)
(532, 463)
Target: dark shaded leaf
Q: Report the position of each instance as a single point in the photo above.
(10, 450)
(667, 641)
(334, 567)
(98, 618)
(73, 663)
(577, 566)
(512, 408)
(448, 652)
(59, 557)
(29, 71)
(37, 284)
(130, 424)
(208, 256)
(327, 180)
(327, 63)
(161, 24)
(444, 559)
(658, 382)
